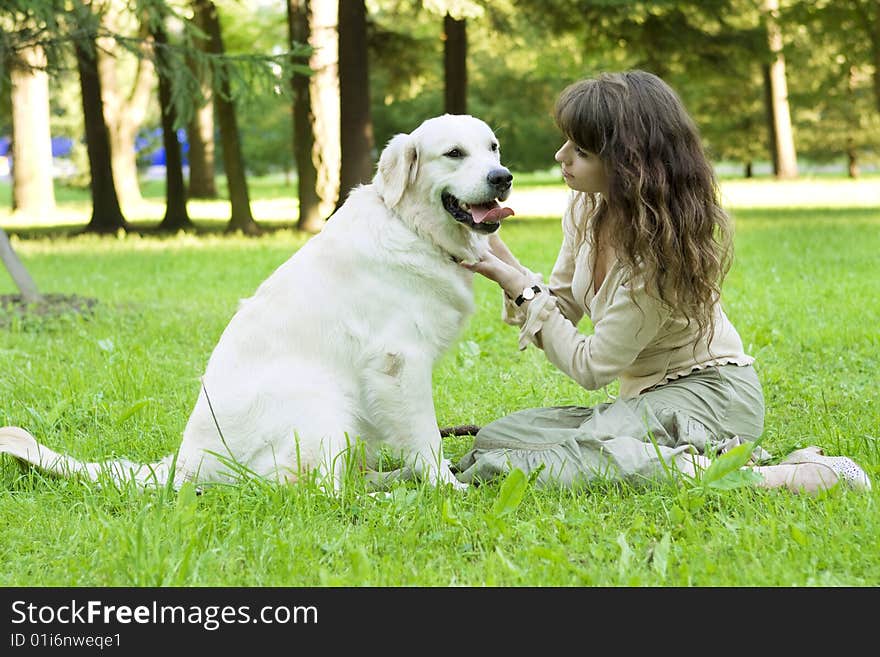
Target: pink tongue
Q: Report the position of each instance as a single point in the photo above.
(489, 212)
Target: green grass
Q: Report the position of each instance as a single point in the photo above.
(803, 294)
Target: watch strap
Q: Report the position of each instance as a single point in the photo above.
(520, 300)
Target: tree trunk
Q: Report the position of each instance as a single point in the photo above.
(224, 105)
(124, 113)
(869, 17)
(875, 56)
(768, 115)
(455, 65)
(324, 92)
(310, 217)
(200, 131)
(17, 271)
(748, 173)
(201, 155)
(32, 180)
(356, 124)
(852, 151)
(852, 160)
(106, 213)
(176, 217)
(784, 145)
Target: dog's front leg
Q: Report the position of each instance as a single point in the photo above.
(401, 404)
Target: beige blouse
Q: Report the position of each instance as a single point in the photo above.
(635, 338)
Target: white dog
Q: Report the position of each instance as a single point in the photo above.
(339, 343)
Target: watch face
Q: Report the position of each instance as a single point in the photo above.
(528, 293)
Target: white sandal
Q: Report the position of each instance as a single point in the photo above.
(846, 470)
(797, 477)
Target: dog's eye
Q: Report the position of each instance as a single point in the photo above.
(494, 147)
(454, 152)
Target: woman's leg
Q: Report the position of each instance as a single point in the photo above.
(804, 471)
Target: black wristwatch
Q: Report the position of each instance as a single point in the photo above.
(525, 295)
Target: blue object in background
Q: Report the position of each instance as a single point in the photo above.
(62, 146)
(151, 143)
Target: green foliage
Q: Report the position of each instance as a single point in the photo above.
(835, 101)
(727, 470)
(521, 53)
(55, 26)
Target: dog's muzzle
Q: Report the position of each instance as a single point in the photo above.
(483, 215)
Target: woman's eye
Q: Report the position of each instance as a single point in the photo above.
(581, 152)
(455, 152)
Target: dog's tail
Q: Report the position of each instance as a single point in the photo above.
(17, 442)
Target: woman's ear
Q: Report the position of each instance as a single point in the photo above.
(398, 166)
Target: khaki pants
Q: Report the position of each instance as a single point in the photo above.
(706, 413)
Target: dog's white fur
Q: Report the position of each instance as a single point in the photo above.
(339, 343)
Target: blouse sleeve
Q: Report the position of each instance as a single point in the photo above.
(632, 319)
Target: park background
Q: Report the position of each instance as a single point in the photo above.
(779, 88)
(149, 189)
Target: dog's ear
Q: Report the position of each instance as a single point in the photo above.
(398, 166)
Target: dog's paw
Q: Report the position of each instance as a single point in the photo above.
(445, 476)
(459, 485)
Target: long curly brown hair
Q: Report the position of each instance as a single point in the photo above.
(662, 214)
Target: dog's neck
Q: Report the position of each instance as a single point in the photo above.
(451, 239)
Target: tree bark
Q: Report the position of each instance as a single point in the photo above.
(200, 131)
(356, 124)
(201, 154)
(106, 214)
(224, 105)
(17, 271)
(868, 12)
(852, 151)
(310, 218)
(176, 216)
(455, 65)
(768, 115)
(784, 144)
(324, 93)
(32, 179)
(852, 159)
(124, 113)
(875, 56)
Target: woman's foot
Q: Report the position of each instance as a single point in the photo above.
(809, 471)
(847, 470)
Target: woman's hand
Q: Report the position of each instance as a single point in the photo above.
(500, 249)
(511, 279)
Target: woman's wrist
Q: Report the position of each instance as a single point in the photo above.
(514, 287)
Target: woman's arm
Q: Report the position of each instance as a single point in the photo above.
(503, 253)
(503, 267)
(511, 277)
(624, 328)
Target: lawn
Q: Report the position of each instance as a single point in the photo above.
(121, 382)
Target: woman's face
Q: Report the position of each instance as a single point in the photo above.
(582, 171)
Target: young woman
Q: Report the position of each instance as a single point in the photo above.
(646, 245)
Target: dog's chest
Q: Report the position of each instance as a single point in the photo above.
(434, 309)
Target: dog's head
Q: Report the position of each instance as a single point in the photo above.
(447, 176)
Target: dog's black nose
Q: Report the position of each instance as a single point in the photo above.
(500, 178)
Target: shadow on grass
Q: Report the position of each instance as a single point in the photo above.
(837, 213)
(209, 227)
(220, 227)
